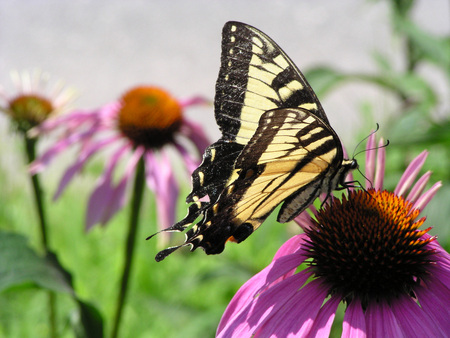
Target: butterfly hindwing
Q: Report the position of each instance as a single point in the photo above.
(291, 152)
(276, 147)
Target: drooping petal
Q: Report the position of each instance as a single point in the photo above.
(150, 165)
(380, 321)
(196, 134)
(296, 316)
(61, 146)
(73, 120)
(81, 160)
(354, 325)
(166, 189)
(324, 319)
(190, 162)
(243, 323)
(410, 174)
(100, 197)
(117, 198)
(380, 167)
(414, 322)
(286, 265)
(193, 101)
(435, 301)
(370, 160)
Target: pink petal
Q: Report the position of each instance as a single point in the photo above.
(59, 147)
(418, 187)
(100, 197)
(435, 302)
(304, 219)
(166, 191)
(285, 264)
(324, 319)
(117, 198)
(189, 161)
(412, 319)
(380, 321)
(381, 160)
(296, 316)
(410, 173)
(370, 160)
(354, 324)
(196, 134)
(74, 119)
(425, 198)
(196, 100)
(79, 164)
(292, 245)
(245, 322)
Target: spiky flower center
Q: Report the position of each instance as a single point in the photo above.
(368, 246)
(149, 116)
(29, 110)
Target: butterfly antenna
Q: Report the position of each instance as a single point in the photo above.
(365, 138)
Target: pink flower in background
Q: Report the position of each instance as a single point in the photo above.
(34, 100)
(144, 123)
(366, 251)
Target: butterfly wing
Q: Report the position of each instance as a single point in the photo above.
(291, 157)
(256, 76)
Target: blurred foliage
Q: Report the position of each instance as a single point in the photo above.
(185, 295)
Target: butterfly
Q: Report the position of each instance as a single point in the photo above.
(277, 146)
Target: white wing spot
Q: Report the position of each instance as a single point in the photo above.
(257, 42)
(281, 61)
(308, 106)
(233, 28)
(232, 38)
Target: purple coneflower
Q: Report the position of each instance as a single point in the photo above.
(366, 251)
(141, 125)
(34, 100)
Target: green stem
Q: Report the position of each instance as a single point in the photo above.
(30, 146)
(138, 190)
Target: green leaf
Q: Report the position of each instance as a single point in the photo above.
(324, 78)
(432, 48)
(22, 265)
(89, 323)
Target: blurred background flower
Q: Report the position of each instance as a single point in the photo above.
(35, 100)
(365, 250)
(143, 123)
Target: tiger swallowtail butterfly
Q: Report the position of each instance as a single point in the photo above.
(276, 147)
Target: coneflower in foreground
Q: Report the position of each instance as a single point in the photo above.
(366, 251)
(143, 123)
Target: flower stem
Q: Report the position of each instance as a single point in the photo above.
(138, 190)
(30, 147)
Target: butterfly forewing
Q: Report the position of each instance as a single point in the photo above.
(256, 76)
